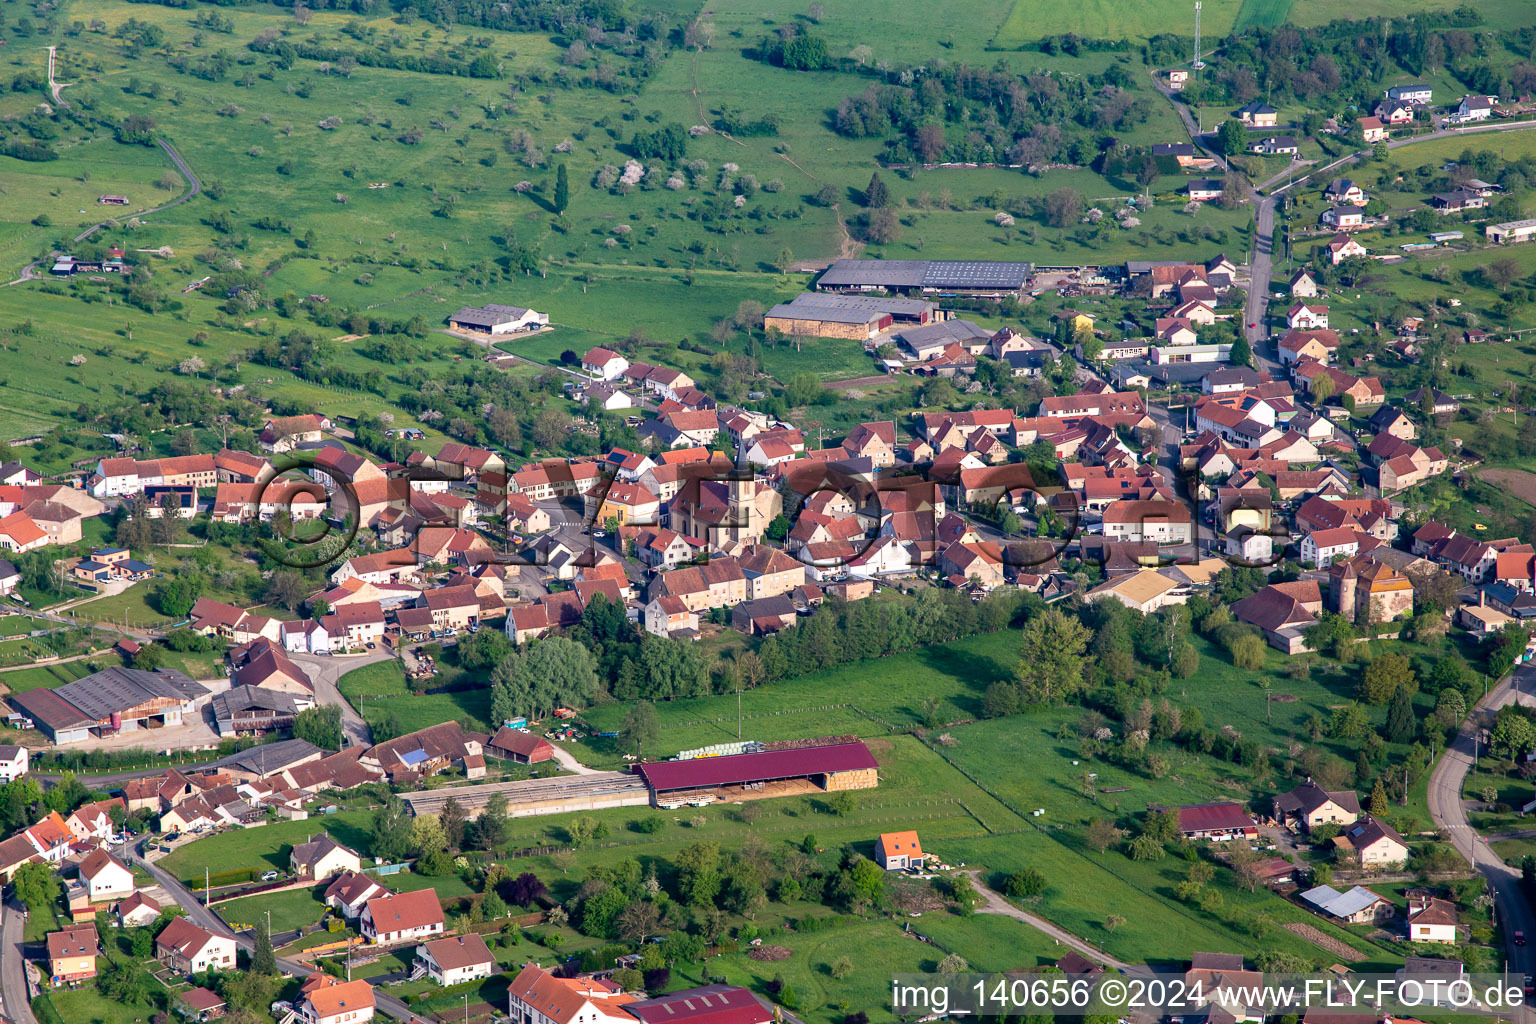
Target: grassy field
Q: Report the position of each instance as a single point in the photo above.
(296, 908)
(378, 691)
(265, 847)
(45, 676)
(1028, 20)
(867, 699)
(427, 242)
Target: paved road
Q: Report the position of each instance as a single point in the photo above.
(206, 918)
(1261, 267)
(13, 978)
(1264, 240)
(325, 671)
(1449, 812)
(993, 902)
(53, 84)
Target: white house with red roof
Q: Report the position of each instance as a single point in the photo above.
(1305, 317)
(604, 364)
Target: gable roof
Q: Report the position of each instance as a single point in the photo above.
(405, 911)
(467, 950)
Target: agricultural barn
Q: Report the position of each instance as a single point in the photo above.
(985, 278)
(772, 773)
(1511, 231)
(826, 321)
(497, 319)
(111, 701)
(1216, 822)
(860, 317)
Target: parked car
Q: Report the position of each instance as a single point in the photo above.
(269, 876)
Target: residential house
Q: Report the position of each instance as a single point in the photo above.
(1319, 345)
(137, 911)
(402, 917)
(72, 953)
(1343, 190)
(322, 857)
(1145, 590)
(667, 615)
(460, 958)
(325, 1000)
(188, 949)
(537, 996)
(13, 762)
(1342, 247)
(1431, 919)
(603, 364)
(1376, 843)
(1283, 611)
(1344, 218)
(105, 877)
(1162, 522)
(1304, 285)
(899, 851)
(1476, 108)
(1310, 805)
(1304, 317)
(1275, 145)
(286, 433)
(1259, 114)
(350, 891)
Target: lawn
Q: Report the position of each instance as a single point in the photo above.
(296, 908)
(265, 847)
(88, 1004)
(378, 691)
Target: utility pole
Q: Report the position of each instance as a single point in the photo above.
(738, 710)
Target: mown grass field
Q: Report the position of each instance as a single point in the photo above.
(265, 847)
(1028, 20)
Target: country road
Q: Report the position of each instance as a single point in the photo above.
(195, 188)
(1449, 812)
(54, 85)
(993, 902)
(1261, 262)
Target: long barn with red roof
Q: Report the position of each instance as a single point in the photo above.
(826, 768)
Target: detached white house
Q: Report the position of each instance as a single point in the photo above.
(455, 959)
(183, 946)
(604, 364)
(402, 917)
(1431, 919)
(13, 762)
(348, 893)
(321, 858)
(105, 878)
